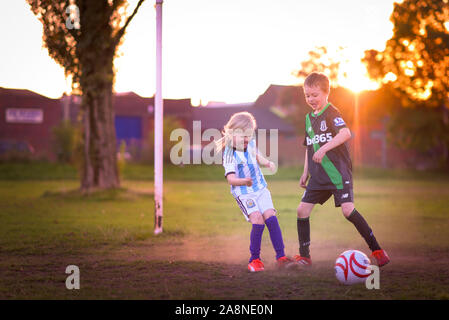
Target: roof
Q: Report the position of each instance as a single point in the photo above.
(272, 96)
(21, 93)
(133, 102)
(171, 106)
(217, 117)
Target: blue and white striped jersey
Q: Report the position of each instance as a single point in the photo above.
(244, 165)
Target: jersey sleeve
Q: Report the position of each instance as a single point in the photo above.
(229, 161)
(336, 121)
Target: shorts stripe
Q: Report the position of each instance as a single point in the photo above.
(242, 208)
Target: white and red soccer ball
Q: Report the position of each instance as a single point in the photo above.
(352, 267)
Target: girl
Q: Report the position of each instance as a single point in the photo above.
(248, 186)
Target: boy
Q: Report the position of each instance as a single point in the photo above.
(328, 162)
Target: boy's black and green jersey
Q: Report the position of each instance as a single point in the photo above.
(335, 169)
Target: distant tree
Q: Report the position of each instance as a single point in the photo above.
(83, 36)
(64, 141)
(321, 61)
(293, 107)
(170, 124)
(416, 62)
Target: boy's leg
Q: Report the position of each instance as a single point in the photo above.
(345, 199)
(308, 201)
(275, 232)
(361, 225)
(303, 226)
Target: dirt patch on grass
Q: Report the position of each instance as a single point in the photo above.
(215, 268)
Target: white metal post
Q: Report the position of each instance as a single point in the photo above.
(158, 125)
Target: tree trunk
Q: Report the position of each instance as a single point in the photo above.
(446, 139)
(100, 170)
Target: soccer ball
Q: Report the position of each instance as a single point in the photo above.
(352, 267)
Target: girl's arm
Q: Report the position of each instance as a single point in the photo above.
(234, 181)
(265, 162)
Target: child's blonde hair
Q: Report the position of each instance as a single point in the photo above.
(240, 121)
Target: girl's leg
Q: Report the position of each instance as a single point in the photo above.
(258, 226)
(303, 226)
(275, 232)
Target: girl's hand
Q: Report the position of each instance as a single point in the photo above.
(303, 180)
(272, 166)
(248, 182)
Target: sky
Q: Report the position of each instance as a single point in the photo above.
(213, 50)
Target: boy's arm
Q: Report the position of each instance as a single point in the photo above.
(342, 136)
(306, 164)
(305, 174)
(234, 181)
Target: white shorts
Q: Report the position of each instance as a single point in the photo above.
(255, 201)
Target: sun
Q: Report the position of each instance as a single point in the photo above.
(352, 73)
(353, 76)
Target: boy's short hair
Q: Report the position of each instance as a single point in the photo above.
(318, 79)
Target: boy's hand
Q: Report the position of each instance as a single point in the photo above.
(319, 155)
(248, 181)
(303, 180)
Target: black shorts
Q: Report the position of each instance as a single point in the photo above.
(321, 196)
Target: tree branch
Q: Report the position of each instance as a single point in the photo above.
(121, 32)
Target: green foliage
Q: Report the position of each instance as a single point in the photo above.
(320, 61)
(83, 36)
(64, 139)
(418, 52)
(418, 128)
(97, 30)
(415, 61)
(121, 158)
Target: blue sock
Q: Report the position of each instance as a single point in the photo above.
(275, 235)
(255, 241)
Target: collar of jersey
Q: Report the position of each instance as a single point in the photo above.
(321, 112)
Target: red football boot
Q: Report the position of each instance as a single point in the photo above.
(256, 265)
(303, 261)
(381, 257)
(284, 262)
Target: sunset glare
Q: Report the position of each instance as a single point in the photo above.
(228, 51)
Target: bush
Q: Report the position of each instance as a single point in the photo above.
(64, 141)
(170, 124)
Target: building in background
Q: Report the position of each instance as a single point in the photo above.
(27, 119)
(287, 148)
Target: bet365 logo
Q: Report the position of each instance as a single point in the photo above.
(324, 137)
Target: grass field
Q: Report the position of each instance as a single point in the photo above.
(45, 225)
